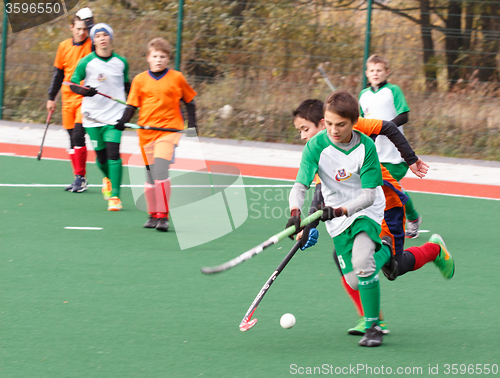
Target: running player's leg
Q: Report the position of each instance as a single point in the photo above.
(398, 171)
(149, 185)
(112, 138)
(79, 147)
(68, 120)
(163, 156)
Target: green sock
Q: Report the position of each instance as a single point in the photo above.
(381, 257)
(115, 175)
(369, 292)
(103, 167)
(411, 213)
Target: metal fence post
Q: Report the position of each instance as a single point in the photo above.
(5, 24)
(178, 46)
(367, 41)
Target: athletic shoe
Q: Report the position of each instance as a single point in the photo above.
(390, 269)
(359, 328)
(80, 184)
(162, 224)
(114, 204)
(443, 261)
(151, 222)
(106, 188)
(69, 188)
(383, 325)
(373, 336)
(413, 228)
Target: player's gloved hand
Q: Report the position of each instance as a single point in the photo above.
(89, 92)
(294, 221)
(190, 132)
(330, 212)
(120, 125)
(310, 236)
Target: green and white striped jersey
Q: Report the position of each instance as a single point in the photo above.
(108, 76)
(343, 174)
(385, 104)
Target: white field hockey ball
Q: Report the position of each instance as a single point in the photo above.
(287, 321)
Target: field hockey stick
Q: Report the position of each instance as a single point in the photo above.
(247, 321)
(73, 85)
(49, 116)
(133, 125)
(325, 78)
(258, 249)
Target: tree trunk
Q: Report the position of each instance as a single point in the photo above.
(454, 42)
(490, 45)
(430, 67)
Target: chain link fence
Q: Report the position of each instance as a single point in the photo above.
(253, 62)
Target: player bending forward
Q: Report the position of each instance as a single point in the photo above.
(347, 164)
(106, 72)
(158, 93)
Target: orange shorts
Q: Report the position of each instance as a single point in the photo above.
(71, 114)
(162, 148)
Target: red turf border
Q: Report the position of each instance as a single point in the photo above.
(411, 184)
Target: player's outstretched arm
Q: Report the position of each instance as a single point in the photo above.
(419, 168)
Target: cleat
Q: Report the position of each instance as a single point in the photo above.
(162, 224)
(443, 261)
(359, 328)
(390, 269)
(79, 185)
(413, 228)
(114, 204)
(383, 325)
(151, 222)
(69, 188)
(373, 336)
(106, 188)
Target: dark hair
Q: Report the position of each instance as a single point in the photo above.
(344, 104)
(311, 110)
(160, 44)
(75, 19)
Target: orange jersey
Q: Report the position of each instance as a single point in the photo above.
(67, 57)
(368, 126)
(159, 102)
(392, 198)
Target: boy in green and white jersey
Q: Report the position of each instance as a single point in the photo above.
(386, 101)
(107, 72)
(346, 161)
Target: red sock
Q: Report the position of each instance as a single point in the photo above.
(424, 254)
(80, 160)
(354, 295)
(150, 197)
(71, 153)
(162, 192)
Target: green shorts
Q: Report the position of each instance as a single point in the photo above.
(398, 171)
(344, 241)
(102, 134)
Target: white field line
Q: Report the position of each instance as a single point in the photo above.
(84, 228)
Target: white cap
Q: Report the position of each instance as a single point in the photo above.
(84, 13)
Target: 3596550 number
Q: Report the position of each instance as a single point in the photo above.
(33, 8)
(470, 369)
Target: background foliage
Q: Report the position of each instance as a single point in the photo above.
(261, 58)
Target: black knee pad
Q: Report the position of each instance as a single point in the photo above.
(70, 133)
(161, 167)
(78, 136)
(113, 150)
(102, 156)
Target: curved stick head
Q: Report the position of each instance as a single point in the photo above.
(247, 325)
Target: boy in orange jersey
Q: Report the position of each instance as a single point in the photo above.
(158, 93)
(308, 120)
(68, 54)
